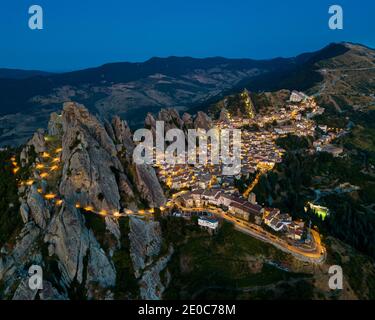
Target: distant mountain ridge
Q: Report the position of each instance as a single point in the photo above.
(341, 71)
(11, 99)
(127, 89)
(8, 73)
(133, 89)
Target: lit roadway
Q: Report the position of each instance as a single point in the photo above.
(313, 253)
(254, 183)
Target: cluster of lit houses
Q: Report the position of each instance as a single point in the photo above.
(294, 118)
(258, 152)
(323, 144)
(240, 208)
(258, 147)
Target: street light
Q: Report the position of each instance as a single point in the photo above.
(50, 196)
(30, 182)
(116, 214)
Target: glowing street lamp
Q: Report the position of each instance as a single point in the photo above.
(29, 182)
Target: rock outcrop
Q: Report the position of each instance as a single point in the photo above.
(123, 136)
(188, 121)
(37, 207)
(95, 163)
(148, 185)
(14, 264)
(55, 125)
(224, 115)
(151, 284)
(90, 161)
(145, 243)
(171, 119)
(149, 121)
(148, 260)
(38, 142)
(202, 121)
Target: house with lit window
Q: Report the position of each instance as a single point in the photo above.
(208, 223)
(294, 231)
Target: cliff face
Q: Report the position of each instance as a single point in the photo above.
(78, 177)
(146, 244)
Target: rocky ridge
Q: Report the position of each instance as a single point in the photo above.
(75, 251)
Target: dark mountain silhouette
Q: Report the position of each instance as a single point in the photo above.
(15, 92)
(20, 74)
(190, 84)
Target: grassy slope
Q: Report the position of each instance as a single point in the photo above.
(10, 219)
(230, 265)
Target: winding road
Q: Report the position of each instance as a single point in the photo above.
(315, 252)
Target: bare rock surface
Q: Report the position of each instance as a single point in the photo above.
(145, 251)
(96, 161)
(38, 142)
(123, 135)
(37, 207)
(151, 285)
(202, 121)
(55, 125)
(145, 243)
(23, 291)
(90, 161)
(149, 186)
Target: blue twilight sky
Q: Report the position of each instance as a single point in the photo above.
(85, 33)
